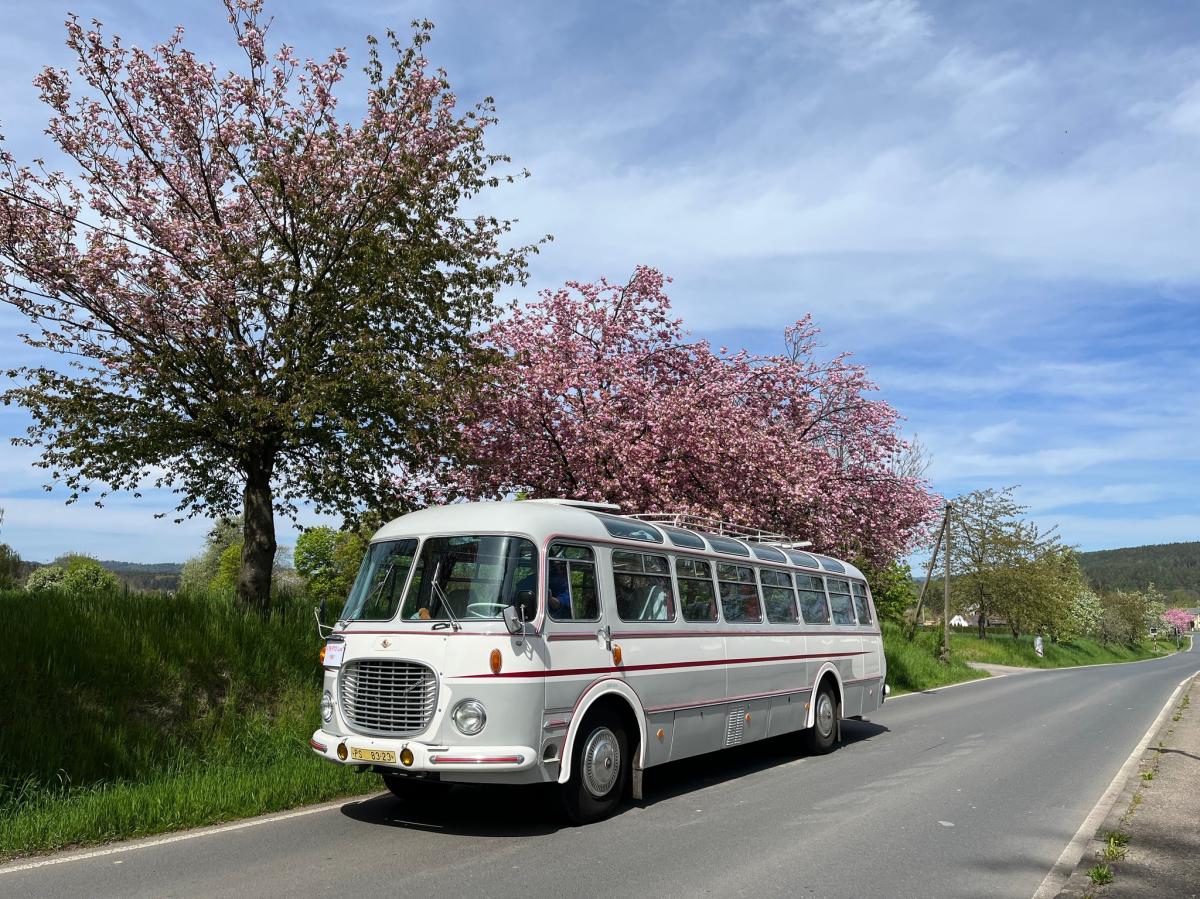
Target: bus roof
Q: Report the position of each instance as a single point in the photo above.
(542, 520)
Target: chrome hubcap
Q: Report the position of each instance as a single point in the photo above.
(825, 714)
(601, 762)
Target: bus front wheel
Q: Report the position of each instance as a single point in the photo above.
(823, 734)
(599, 770)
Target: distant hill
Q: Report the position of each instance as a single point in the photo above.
(1174, 568)
(160, 576)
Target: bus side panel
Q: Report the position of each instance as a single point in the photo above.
(787, 713)
(844, 650)
(698, 731)
(873, 695)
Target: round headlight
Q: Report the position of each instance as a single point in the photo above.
(469, 717)
(326, 706)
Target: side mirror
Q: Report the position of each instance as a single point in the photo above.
(512, 620)
(527, 600)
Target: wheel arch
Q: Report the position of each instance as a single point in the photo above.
(827, 672)
(607, 693)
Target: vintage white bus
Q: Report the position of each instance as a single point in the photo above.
(552, 641)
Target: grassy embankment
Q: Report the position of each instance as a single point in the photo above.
(131, 715)
(914, 666)
(1002, 649)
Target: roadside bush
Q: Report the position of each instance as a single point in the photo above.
(48, 577)
(86, 577)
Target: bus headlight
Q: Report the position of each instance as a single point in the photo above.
(326, 707)
(469, 717)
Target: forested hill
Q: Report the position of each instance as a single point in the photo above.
(1169, 566)
(137, 576)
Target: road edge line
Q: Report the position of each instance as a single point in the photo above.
(196, 833)
(1062, 870)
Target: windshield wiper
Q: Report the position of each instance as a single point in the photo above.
(377, 591)
(444, 601)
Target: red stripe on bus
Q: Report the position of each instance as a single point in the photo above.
(703, 663)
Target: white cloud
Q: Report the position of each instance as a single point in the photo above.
(868, 32)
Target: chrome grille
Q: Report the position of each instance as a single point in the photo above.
(386, 697)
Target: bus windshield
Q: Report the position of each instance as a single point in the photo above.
(376, 593)
(478, 577)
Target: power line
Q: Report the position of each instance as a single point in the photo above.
(71, 218)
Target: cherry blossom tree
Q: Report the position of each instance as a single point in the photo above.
(607, 397)
(1178, 618)
(259, 303)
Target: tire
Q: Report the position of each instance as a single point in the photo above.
(599, 769)
(821, 737)
(415, 789)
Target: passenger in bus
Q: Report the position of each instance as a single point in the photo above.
(559, 595)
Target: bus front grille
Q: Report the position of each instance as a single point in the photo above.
(388, 698)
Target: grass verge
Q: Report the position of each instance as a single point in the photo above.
(1002, 649)
(912, 665)
(133, 715)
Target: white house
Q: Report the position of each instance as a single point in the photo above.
(959, 621)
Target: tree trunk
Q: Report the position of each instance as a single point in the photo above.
(982, 625)
(258, 541)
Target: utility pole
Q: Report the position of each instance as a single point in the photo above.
(945, 654)
(937, 545)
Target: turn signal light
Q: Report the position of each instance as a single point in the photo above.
(342, 752)
(323, 654)
(496, 661)
(616, 655)
(406, 757)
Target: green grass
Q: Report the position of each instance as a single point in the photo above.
(1002, 649)
(131, 715)
(913, 665)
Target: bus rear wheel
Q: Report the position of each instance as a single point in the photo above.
(823, 734)
(599, 770)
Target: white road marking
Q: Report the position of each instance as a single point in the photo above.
(180, 837)
(1061, 872)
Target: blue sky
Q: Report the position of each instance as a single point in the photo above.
(993, 205)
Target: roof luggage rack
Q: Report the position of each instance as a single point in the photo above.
(578, 504)
(722, 528)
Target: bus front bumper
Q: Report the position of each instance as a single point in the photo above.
(424, 757)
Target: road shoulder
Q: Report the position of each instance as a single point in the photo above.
(1148, 843)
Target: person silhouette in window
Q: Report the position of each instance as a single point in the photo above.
(559, 595)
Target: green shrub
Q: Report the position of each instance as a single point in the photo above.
(48, 577)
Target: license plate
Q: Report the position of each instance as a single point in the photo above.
(373, 755)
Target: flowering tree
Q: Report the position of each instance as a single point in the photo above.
(1179, 618)
(267, 303)
(608, 398)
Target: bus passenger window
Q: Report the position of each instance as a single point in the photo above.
(643, 585)
(813, 604)
(571, 584)
(861, 605)
(739, 594)
(697, 598)
(778, 596)
(839, 601)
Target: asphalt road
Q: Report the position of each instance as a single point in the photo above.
(971, 791)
